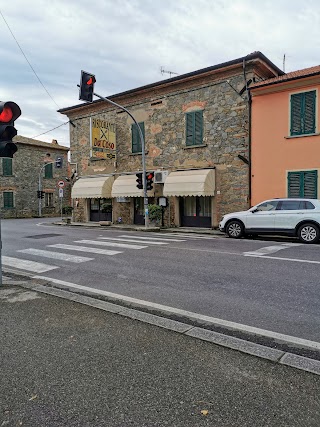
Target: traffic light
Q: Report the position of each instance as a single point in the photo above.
(40, 194)
(9, 112)
(58, 162)
(150, 176)
(139, 180)
(87, 82)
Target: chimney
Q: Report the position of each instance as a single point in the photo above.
(54, 141)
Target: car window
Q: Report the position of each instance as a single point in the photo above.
(309, 205)
(291, 205)
(267, 206)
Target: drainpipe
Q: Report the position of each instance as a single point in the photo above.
(249, 101)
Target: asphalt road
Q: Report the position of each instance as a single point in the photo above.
(268, 284)
(67, 364)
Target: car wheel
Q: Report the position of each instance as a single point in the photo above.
(308, 233)
(235, 229)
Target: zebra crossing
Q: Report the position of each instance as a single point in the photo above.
(102, 245)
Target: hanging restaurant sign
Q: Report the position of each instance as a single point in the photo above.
(102, 139)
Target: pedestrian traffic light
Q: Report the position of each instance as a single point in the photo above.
(87, 82)
(58, 162)
(150, 176)
(9, 112)
(139, 180)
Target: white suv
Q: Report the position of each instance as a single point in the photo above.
(290, 217)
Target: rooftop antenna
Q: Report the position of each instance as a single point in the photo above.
(163, 71)
(284, 63)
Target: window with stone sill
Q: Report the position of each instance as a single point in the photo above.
(136, 140)
(48, 200)
(6, 167)
(8, 202)
(194, 128)
(48, 171)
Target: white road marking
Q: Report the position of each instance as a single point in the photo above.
(133, 240)
(55, 255)
(85, 249)
(190, 236)
(154, 238)
(117, 245)
(285, 259)
(270, 249)
(36, 267)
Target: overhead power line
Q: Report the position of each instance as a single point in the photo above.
(28, 60)
(43, 133)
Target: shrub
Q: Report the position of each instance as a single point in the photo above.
(67, 210)
(155, 213)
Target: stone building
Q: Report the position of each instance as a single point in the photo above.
(19, 179)
(197, 140)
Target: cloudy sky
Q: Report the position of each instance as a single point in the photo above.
(126, 42)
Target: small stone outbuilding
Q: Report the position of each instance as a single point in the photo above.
(19, 179)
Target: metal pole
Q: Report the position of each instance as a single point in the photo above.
(39, 189)
(143, 152)
(40, 186)
(0, 253)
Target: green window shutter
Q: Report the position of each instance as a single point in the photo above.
(198, 126)
(309, 112)
(296, 114)
(136, 141)
(48, 171)
(310, 184)
(7, 167)
(8, 199)
(303, 184)
(303, 113)
(189, 129)
(194, 128)
(294, 184)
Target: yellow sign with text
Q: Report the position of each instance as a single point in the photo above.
(103, 139)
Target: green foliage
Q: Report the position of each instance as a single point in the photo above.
(155, 213)
(67, 210)
(106, 208)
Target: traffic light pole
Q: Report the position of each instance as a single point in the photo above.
(143, 152)
(40, 186)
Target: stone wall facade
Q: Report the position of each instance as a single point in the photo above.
(163, 109)
(23, 183)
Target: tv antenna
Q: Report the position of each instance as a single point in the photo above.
(163, 71)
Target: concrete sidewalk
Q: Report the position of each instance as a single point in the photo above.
(198, 230)
(68, 364)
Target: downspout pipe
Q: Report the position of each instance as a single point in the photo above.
(249, 101)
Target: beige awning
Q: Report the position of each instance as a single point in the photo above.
(126, 186)
(90, 188)
(200, 182)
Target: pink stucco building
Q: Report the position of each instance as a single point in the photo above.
(285, 137)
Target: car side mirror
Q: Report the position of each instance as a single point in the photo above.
(255, 210)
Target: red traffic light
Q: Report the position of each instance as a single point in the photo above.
(87, 81)
(91, 81)
(9, 111)
(150, 175)
(6, 115)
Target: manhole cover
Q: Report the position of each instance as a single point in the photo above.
(42, 236)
